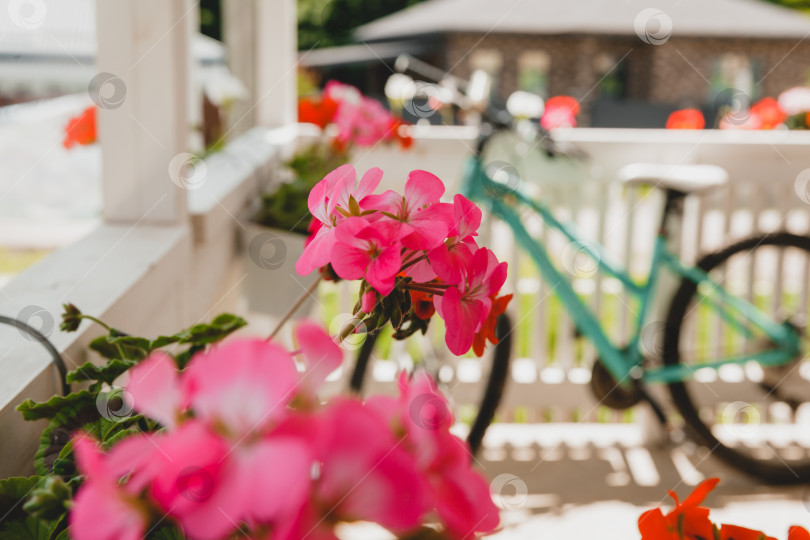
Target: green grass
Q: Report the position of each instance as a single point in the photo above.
(14, 261)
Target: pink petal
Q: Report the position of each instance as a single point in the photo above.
(423, 188)
(389, 201)
(155, 390)
(100, 512)
(464, 503)
(321, 353)
(369, 182)
(339, 183)
(383, 269)
(349, 262)
(316, 202)
(429, 227)
(467, 216)
(317, 253)
(243, 385)
(461, 318)
(421, 272)
(273, 478)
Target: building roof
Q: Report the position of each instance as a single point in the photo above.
(710, 18)
(359, 54)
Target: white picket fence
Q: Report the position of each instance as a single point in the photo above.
(550, 365)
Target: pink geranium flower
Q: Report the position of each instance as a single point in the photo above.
(465, 308)
(363, 250)
(424, 220)
(450, 258)
(459, 494)
(334, 191)
(102, 510)
(364, 474)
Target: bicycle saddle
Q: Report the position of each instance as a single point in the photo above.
(679, 178)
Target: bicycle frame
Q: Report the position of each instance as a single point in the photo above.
(625, 363)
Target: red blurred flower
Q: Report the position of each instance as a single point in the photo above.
(798, 533)
(487, 331)
(81, 129)
(320, 112)
(686, 119)
(769, 112)
(560, 111)
(405, 141)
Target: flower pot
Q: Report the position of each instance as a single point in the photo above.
(272, 285)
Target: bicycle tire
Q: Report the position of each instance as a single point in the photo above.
(768, 471)
(493, 392)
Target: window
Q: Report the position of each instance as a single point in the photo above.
(490, 61)
(533, 70)
(732, 71)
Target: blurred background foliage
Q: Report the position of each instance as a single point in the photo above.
(803, 5)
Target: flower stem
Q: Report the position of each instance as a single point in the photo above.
(422, 288)
(95, 320)
(413, 262)
(294, 308)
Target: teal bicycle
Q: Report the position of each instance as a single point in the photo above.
(745, 398)
(741, 394)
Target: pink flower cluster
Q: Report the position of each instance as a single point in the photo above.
(248, 448)
(412, 241)
(362, 120)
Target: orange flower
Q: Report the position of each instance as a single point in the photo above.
(769, 112)
(733, 532)
(81, 129)
(686, 119)
(318, 112)
(798, 533)
(686, 521)
(422, 304)
(487, 331)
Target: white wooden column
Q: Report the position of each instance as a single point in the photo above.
(261, 38)
(238, 33)
(141, 91)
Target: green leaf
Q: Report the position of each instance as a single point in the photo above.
(203, 334)
(166, 532)
(102, 416)
(111, 347)
(13, 490)
(27, 528)
(106, 373)
(15, 523)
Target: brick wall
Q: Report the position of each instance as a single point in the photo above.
(675, 72)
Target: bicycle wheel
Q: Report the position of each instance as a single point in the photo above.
(753, 417)
(493, 391)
